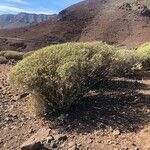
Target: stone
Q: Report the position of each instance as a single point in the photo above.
(109, 142)
(90, 141)
(31, 131)
(49, 139)
(23, 95)
(16, 98)
(75, 147)
(8, 119)
(31, 145)
(110, 129)
(13, 115)
(60, 137)
(116, 133)
(71, 144)
(53, 145)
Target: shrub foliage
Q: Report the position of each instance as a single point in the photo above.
(144, 51)
(57, 76)
(123, 63)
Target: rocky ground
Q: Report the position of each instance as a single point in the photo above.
(113, 117)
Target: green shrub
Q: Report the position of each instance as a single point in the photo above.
(15, 55)
(63, 73)
(123, 63)
(57, 76)
(144, 51)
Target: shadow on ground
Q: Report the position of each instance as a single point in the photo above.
(115, 104)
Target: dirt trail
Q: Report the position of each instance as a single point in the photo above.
(121, 123)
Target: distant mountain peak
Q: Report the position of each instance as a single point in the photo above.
(22, 19)
(123, 23)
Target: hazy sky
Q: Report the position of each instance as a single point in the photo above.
(34, 6)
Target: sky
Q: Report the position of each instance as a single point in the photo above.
(34, 6)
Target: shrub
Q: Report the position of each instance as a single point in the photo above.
(57, 76)
(63, 73)
(12, 55)
(144, 51)
(123, 63)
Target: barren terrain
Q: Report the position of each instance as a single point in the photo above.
(121, 123)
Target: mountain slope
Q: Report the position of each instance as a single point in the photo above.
(22, 19)
(120, 22)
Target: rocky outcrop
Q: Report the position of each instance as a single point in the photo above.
(136, 7)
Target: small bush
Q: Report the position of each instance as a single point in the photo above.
(144, 51)
(57, 76)
(12, 55)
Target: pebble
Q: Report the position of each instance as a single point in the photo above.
(71, 144)
(60, 137)
(31, 131)
(116, 133)
(90, 141)
(53, 145)
(49, 139)
(75, 147)
(16, 98)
